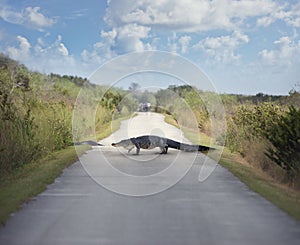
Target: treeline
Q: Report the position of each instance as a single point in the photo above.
(181, 102)
(36, 112)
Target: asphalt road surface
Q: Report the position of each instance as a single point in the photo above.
(91, 204)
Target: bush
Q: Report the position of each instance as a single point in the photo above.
(284, 136)
(265, 135)
(250, 124)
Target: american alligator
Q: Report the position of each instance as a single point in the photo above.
(152, 141)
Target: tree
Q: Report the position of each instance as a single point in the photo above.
(134, 86)
(285, 139)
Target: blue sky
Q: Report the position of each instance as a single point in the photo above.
(245, 46)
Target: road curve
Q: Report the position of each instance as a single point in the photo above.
(77, 209)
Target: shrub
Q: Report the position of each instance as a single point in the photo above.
(284, 135)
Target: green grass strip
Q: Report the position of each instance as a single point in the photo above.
(28, 181)
(280, 195)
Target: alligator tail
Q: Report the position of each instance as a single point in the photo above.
(186, 147)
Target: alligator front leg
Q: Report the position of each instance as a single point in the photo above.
(138, 147)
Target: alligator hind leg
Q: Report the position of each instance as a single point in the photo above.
(164, 150)
(129, 150)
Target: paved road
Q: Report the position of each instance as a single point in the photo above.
(77, 210)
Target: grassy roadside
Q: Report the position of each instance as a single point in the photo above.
(30, 180)
(279, 194)
(171, 120)
(26, 182)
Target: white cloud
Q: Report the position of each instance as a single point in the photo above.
(172, 43)
(63, 50)
(186, 16)
(119, 40)
(290, 14)
(222, 48)
(293, 16)
(285, 52)
(45, 57)
(22, 51)
(184, 41)
(265, 21)
(129, 38)
(36, 19)
(177, 44)
(11, 16)
(29, 17)
(101, 51)
(53, 57)
(77, 14)
(55, 49)
(138, 21)
(110, 35)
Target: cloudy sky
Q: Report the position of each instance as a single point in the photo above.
(244, 46)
